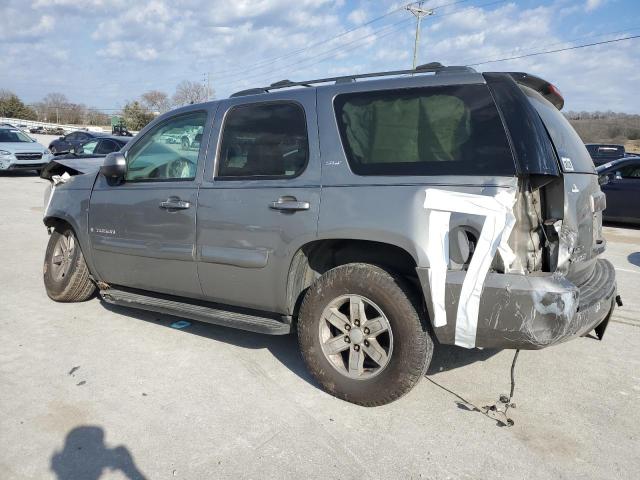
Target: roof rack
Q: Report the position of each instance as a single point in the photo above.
(433, 67)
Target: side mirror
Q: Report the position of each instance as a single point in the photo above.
(61, 138)
(603, 179)
(114, 167)
(618, 176)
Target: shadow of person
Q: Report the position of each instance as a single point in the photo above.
(85, 456)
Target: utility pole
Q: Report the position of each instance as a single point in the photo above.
(206, 81)
(419, 12)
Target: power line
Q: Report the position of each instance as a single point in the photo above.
(339, 49)
(313, 45)
(270, 61)
(553, 51)
(521, 50)
(247, 75)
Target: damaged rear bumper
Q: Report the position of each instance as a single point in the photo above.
(530, 311)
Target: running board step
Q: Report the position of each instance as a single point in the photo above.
(196, 311)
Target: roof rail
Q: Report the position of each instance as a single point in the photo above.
(433, 67)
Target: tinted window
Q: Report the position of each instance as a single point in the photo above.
(574, 156)
(167, 151)
(72, 137)
(264, 140)
(107, 146)
(449, 130)
(631, 172)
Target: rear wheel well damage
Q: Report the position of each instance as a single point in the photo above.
(315, 258)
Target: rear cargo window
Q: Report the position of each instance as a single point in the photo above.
(574, 156)
(446, 130)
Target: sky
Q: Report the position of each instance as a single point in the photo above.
(104, 53)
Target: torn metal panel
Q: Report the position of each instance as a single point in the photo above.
(494, 236)
(72, 166)
(51, 188)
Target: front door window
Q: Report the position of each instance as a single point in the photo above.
(169, 151)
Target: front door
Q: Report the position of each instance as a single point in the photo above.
(143, 230)
(259, 201)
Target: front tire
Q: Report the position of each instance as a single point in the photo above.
(66, 275)
(361, 336)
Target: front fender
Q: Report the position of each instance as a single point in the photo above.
(68, 205)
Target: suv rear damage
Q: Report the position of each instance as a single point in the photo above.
(369, 216)
(556, 288)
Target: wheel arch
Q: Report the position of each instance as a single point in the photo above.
(314, 258)
(57, 220)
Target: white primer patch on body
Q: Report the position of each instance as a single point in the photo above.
(498, 223)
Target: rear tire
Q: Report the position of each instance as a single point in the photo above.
(66, 275)
(400, 354)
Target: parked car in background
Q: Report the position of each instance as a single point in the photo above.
(97, 147)
(605, 152)
(54, 131)
(38, 129)
(73, 140)
(620, 181)
(18, 151)
(372, 216)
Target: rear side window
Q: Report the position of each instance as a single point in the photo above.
(107, 146)
(447, 130)
(264, 140)
(574, 156)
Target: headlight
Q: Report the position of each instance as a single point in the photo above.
(4, 153)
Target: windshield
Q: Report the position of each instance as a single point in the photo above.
(14, 136)
(574, 156)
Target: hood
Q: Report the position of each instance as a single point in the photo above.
(18, 147)
(73, 166)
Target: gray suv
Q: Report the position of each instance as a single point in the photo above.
(372, 214)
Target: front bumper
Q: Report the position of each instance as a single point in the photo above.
(530, 311)
(12, 164)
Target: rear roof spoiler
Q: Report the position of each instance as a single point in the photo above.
(546, 89)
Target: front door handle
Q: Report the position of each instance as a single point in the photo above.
(289, 204)
(174, 203)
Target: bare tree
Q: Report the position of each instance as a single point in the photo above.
(53, 107)
(95, 117)
(188, 92)
(156, 101)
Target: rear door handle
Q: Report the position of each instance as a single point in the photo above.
(289, 204)
(174, 203)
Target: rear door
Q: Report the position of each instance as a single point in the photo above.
(260, 199)
(143, 230)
